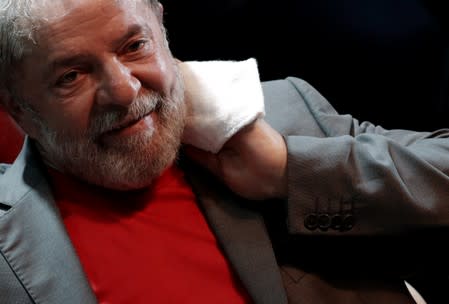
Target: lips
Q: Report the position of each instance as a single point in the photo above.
(127, 123)
(139, 118)
(126, 129)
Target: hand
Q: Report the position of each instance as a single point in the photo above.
(253, 163)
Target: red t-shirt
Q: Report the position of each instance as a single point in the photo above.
(150, 246)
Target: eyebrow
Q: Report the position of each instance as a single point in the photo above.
(133, 30)
(73, 59)
(67, 61)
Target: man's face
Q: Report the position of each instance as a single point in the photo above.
(104, 95)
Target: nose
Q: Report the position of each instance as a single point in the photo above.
(118, 85)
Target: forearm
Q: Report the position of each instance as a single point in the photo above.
(381, 181)
(376, 184)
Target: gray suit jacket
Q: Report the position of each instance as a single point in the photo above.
(354, 190)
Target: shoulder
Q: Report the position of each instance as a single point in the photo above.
(290, 87)
(286, 84)
(291, 98)
(291, 91)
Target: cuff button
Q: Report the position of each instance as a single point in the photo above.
(324, 221)
(348, 222)
(311, 221)
(336, 221)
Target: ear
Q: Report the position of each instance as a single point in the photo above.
(20, 117)
(11, 107)
(159, 12)
(8, 105)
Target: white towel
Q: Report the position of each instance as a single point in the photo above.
(223, 97)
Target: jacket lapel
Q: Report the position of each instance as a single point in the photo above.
(33, 239)
(242, 234)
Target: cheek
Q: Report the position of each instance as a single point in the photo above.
(71, 116)
(159, 75)
(162, 67)
(168, 73)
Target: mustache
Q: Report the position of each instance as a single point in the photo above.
(118, 118)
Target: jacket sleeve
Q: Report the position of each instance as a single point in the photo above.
(352, 178)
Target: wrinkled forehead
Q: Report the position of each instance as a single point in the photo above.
(50, 27)
(55, 11)
(51, 10)
(65, 18)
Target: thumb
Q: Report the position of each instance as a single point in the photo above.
(206, 159)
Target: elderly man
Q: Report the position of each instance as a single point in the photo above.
(96, 209)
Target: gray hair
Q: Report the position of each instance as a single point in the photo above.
(15, 29)
(18, 24)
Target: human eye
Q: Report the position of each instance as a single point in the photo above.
(68, 78)
(137, 49)
(137, 46)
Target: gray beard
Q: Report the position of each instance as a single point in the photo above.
(133, 162)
